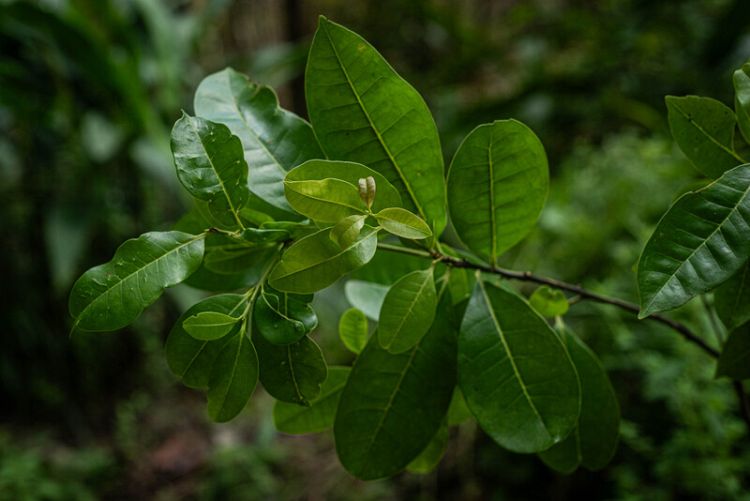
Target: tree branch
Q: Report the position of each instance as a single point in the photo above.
(526, 276)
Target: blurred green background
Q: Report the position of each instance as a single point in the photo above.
(89, 90)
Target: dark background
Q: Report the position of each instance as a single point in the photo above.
(89, 90)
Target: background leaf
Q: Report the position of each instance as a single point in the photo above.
(704, 130)
(393, 405)
(315, 261)
(430, 457)
(732, 299)
(273, 139)
(497, 185)
(741, 80)
(408, 311)
(366, 296)
(698, 244)
(320, 414)
(549, 302)
(112, 295)
(515, 373)
(353, 330)
(734, 361)
(364, 111)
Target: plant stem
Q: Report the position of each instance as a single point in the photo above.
(526, 276)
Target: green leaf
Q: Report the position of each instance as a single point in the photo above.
(274, 140)
(408, 311)
(363, 111)
(430, 457)
(264, 235)
(403, 223)
(732, 299)
(594, 440)
(320, 414)
(110, 296)
(704, 130)
(315, 262)
(351, 172)
(741, 80)
(325, 200)
(210, 164)
(515, 373)
(191, 359)
(353, 330)
(366, 296)
(458, 412)
(283, 318)
(698, 244)
(291, 373)
(549, 302)
(346, 231)
(497, 185)
(734, 361)
(393, 405)
(234, 375)
(239, 260)
(210, 325)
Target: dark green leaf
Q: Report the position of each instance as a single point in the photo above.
(732, 299)
(209, 325)
(351, 172)
(325, 200)
(366, 296)
(234, 375)
(741, 80)
(319, 415)
(110, 296)
(393, 405)
(191, 359)
(698, 244)
(353, 330)
(274, 140)
(549, 302)
(210, 164)
(264, 235)
(594, 440)
(497, 186)
(239, 260)
(403, 223)
(515, 373)
(364, 111)
(430, 457)
(704, 130)
(291, 373)
(283, 318)
(734, 361)
(316, 261)
(408, 311)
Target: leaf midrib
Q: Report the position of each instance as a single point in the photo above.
(372, 125)
(409, 311)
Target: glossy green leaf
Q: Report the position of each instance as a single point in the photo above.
(283, 318)
(698, 244)
(393, 405)
(291, 373)
(210, 164)
(346, 231)
(734, 361)
(497, 185)
(703, 128)
(191, 359)
(366, 296)
(239, 260)
(234, 375)
(403, 223)
(363, 111)
(732, 299)
(430, 457)
(274, 140)
(741, 80)
(325, 200)
(353, 330)
(594, 440)
(319, 415)
(351, 172)
(408, 311)
(110, 296)
(549, 302)
(316, 261)
(210, 325)
(515, 373)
